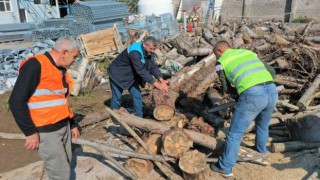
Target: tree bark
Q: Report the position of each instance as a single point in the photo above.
(164, 104)
(305, 100)
(160, 128)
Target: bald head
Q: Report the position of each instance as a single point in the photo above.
(220, 47)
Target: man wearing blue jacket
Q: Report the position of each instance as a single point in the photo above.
(133, 67)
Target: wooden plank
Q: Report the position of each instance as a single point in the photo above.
(117, 39)
(97, 42)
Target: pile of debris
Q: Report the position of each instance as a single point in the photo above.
(10, 61)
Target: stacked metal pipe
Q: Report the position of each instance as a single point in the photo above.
(92, 16)
(97, 12)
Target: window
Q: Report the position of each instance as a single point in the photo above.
(37, 1)
(5, 5)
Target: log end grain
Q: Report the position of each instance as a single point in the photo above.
(141, 168)
(192, 162)
(176, 142)
(163, 113)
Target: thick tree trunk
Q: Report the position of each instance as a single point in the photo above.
(164, 104)
(192, 82)
(160, 128)
(305, 100)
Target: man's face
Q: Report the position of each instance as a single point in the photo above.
(149, 48)
(218, 53)
(69, 57)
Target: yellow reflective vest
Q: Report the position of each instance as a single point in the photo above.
(244, 69)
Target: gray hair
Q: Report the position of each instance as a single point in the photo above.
(150, 40)
(66, 43)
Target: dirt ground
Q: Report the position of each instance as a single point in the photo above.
(18, 163)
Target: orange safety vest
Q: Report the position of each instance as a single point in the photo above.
(49, 104)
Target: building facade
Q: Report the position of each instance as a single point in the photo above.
(20, 11)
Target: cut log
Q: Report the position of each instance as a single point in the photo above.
(140, 167)
(287, 83)
(193, 163)
(185, 74)
(176, 142)
(208, 36)
(178, 120)
(293, 146)
(305, 100)
(251, 137)
(192, 82)
(153, 141)
(164, 104)
(165, 167)
(198, 124)
(186, 48)
(118, 165)
(278, 40)
(92, 117)
(153, 126)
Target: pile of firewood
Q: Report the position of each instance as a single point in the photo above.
(180, 118)
(292, 49)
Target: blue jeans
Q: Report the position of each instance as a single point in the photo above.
(257, 102)
(135, 93)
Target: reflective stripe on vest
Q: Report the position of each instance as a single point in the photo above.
(137, 47)
(45, 104)
(243, 69)
(40, 92)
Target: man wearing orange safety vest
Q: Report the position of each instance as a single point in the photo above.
(40, 107)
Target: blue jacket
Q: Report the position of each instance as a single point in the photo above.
(128, 67)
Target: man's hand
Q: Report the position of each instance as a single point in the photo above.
(32, 142)
(75, 133)
(164, 81)
(161, 86)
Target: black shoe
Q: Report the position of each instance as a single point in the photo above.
(216, 168)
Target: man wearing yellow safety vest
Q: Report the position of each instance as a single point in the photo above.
(40, 107)
(258, 95)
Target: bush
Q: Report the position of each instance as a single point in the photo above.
(301, 19)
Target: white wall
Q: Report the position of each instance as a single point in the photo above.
(44, 11)
(12, 16)
(39, 11)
